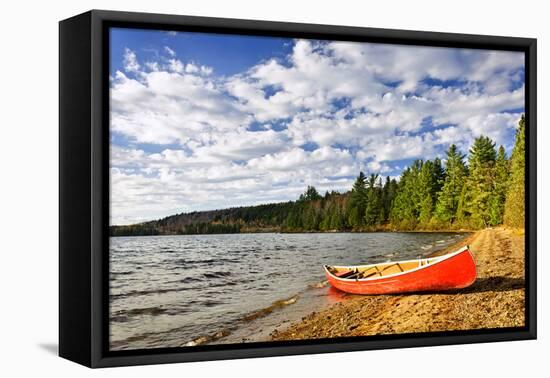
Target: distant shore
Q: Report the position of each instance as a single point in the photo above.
(279, 231)
(495, 300)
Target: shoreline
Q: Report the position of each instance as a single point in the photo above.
(271, 231)
(495, 300)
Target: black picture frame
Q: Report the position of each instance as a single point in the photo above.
(84, 187)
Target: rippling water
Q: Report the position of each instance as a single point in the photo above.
(169, 291)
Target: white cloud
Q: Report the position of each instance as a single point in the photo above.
(175, 65)
(152, 66)
(375, 166)
(170, 107)
(130, 61)
(205, 70)
(191, 68)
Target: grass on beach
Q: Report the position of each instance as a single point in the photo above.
(495, 300)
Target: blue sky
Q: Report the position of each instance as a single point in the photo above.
(227, 54)
(203, 121)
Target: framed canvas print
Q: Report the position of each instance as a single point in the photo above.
(233, 188)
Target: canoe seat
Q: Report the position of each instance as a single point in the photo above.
(346, 274)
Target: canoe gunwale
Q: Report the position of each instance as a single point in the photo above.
(420, 267)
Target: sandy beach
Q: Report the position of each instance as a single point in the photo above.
(495, 300)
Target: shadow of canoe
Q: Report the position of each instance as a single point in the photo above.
(492, 284)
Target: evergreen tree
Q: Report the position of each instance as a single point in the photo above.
(462, 214)
(354, 218)
(312, 218)
(388, 193)
(324, 225)
(426, 191)
(294, 218)
(451, 189)
(406, 204)
(514, 208)
(439, 174)
(310, 194)
(337, 219)
(357, 203)
(500, 187)
(373, 205)
(480, 183)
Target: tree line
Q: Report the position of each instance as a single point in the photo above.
(260, 218)
(485, 188)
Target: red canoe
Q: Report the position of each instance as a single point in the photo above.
(455, 270)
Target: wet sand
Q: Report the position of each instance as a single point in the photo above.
(495, 300)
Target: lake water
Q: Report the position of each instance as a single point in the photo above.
(171, 291)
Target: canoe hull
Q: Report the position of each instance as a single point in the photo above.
(456, 272)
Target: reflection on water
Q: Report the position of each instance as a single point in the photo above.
(170, 291)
